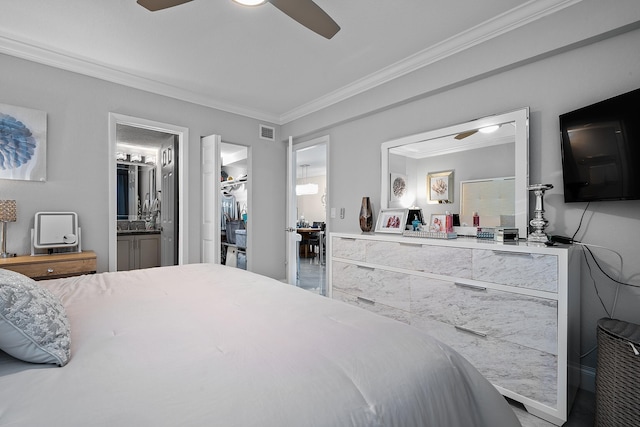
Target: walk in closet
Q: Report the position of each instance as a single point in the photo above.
(234, 214)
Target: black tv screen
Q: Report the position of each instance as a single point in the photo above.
(601, 150)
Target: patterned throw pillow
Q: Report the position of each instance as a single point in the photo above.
(33, 323)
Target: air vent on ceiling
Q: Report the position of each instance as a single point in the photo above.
(267, 132)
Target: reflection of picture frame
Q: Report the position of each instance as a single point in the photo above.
(438, 223)
(440, 187)
(391, 221)
(397, 186)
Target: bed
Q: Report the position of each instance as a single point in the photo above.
(210, 345)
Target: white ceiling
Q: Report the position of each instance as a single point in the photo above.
(254, 61)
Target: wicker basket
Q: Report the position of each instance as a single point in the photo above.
(618, 374)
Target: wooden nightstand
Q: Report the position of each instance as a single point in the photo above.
(52, 266)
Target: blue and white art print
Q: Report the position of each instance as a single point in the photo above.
(23, 143)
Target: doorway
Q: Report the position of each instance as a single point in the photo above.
(147, 224)
(309, 194)
(226, 203)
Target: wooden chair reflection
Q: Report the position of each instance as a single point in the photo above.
(312, 239)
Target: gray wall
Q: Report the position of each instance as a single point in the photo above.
(584, 54)
(77, 163)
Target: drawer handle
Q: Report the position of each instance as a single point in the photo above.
(366, 301)
(471, 331)
(364, 267)
(522, 254)
(347, 238)
(410, 244)
(49, 270)
(466, 285)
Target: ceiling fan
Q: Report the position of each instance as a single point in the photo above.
(486, 129)
(305, 12)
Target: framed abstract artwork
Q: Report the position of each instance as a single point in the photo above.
(440, 187)
(23, 143)
(397, 186)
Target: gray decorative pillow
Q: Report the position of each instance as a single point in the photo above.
(33, 323)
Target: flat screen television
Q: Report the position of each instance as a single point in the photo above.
(601, 150)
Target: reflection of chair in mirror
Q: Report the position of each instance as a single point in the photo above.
(313, 241)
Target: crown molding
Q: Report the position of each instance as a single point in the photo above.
(63, 60)
(501, 24)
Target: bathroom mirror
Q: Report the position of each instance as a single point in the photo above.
(485, 149)
(136, 183)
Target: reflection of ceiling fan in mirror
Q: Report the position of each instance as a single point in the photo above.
(463, 135)
(486, 129)
(305, 12)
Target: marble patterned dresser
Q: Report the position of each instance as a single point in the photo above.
(513, 310)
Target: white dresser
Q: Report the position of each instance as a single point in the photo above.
(513, 310)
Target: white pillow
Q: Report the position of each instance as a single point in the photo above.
(33, 323)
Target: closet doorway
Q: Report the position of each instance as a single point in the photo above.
(227, 211)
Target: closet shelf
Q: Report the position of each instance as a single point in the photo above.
(225, 184)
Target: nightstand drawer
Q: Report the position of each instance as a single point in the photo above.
(52, 266)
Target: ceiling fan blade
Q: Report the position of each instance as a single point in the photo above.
(309, 14)
(154, 5)
(463, 135)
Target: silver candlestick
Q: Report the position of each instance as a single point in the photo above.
(538, 222)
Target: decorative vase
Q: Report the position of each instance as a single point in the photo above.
(366, 215)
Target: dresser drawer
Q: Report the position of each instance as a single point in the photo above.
(520, 319)
(347, 248)
(371, 284)
(419, 257)
(524, 270)
(520, 369)
(381, 309)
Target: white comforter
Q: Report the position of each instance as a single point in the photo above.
(208, 345)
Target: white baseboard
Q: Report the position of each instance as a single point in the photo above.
(588, 378)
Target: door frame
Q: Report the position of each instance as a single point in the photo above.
(211, 213)
(183, 160)
(292, 201)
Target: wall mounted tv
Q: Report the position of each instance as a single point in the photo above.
(601, 150)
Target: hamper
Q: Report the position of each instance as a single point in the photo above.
(618, 374)
(231, 226)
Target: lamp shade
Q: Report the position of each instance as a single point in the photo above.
(8, 211)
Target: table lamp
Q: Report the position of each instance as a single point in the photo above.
(7, 214)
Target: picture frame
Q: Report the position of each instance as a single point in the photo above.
(440, 187)
(397, 186)
(23, 143)
(437, 223)
(391, 221)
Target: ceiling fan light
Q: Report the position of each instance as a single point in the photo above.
(250, 2)
(489, 129)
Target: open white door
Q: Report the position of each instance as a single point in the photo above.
(210, 229)
(292, 247)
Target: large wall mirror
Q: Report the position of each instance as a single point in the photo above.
(479, 166)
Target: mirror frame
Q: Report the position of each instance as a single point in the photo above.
(521, 158)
